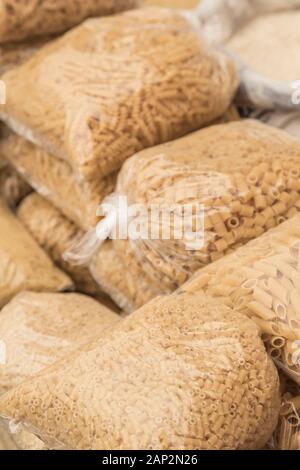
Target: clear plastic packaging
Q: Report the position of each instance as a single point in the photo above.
(23, 264)
(40, 329)
(29, 18)
(54, 233)
(184, 372)
(244, 174)
(262, 280)
(116, 85)
(55, 180)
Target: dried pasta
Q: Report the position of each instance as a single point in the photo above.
(54, 179)
(189, 373)
(23, 264)
(23, 19)
(116, 85)
(262, 280)
(246, 176)
(40, 329)
(55, 234)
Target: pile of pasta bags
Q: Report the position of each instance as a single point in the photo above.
(245, 175)
(109, 88)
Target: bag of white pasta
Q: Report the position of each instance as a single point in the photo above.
(116, 85)
(262, 280)
(223, 185)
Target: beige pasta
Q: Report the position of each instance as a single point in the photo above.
(55, 180)
(287, 433)
(116, 85)
(23, 264)
(267, 270)
(40, 329)
(184, 372)
(212, 168)
(55, 234)
(23, 19)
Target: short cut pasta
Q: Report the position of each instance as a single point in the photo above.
(184, 372)
(116, 85)
(245, 176)
(262, 280)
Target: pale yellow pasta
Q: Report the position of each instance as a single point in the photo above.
(268, 270)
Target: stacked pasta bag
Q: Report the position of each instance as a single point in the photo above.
(244, 174)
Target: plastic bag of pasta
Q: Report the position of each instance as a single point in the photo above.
(23, 264)
(262, 280)
(54, 233)
(38, 330)
(242, 178)
(189, 372)
(29, 18)
(114, 86)
(55, 180)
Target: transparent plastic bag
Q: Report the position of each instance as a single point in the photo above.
(40, 329)
(114, 86)
(28, 18)
(244, 174)
(184, 372)
(55, 234)
(23, 264)
(262, 280)
(55, 180)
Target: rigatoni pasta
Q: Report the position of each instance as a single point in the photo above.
(116, 85)
(189, 372)
(262, 281)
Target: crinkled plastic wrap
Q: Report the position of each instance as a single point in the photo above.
(55, 180)
(262, 280)
(114, 86)
(23, 19)
(184, 372)
(55, 234)
(245, 175)
(38, 330)
(23, 264)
